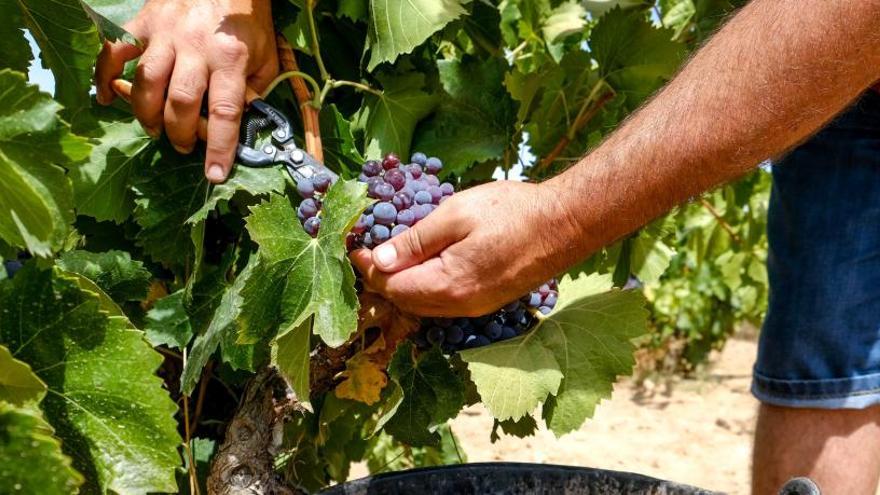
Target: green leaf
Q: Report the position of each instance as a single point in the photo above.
(298, 33)
(475, 119)
(101, 184)
(167, 322)
(13, 45)
(598, 7)
(110, 15)
(590, 333)
(104, 400)
(69, 43)
(299, 276)
(566, 19)
(18, 384)
(36, 205)
(432, 394)
(122, 278)
(524, 427)
(337, 139)
(398, 26)
(31, 457)
(290, 354)
(256, 181)
(513, 376)
(650, 258)
(356, 10)
(635, 57)
(388, 121)
(169, 189)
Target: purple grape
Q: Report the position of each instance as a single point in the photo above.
(534, 299)
(511, 307)
(308, 208)
(435, 335)
(406, 217)
(419, 158)
(447, 189)
(398, 229)
(431, 180)
(421, 211)
(305, 188)
(423, 197)
(401, 200)
(507, 333)
(371, 168)
(321, 181)
(396, 178)
(435, 193)
(384, 191)
(454, 335)
(384, 213)
(369, 220)
(390, 161)
(363, 178)
(493, 330)
(361, 225)
(372, 183)
(551, 298)
(380, 234)
(311, 226)
(544, 289)
(433, 165)
(545, 310)
(367, 240)
(415, 186)
(415, 169)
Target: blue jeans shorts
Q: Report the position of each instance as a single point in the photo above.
(820, 344)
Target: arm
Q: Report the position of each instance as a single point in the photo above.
(190, 48)
(773, 75)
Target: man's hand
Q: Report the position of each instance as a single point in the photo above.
(220, 46)
(481, 249)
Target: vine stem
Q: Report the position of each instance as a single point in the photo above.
(309, 104)
(313, 32)
(294, 73)
(193, 480)
(724, 225)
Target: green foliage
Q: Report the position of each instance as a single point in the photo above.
(222, 280)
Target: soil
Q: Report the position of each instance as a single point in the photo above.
(696, 431)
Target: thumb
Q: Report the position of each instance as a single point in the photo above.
(425, 239)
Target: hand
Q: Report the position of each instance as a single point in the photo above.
(218, 45)
(481, 249)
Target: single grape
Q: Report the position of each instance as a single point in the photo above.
(551, 298)
(431, 180)
(544, 289)
(300, 216)
(398, 229)
(507, 333)
(421, 211)
(534, 299)
(361, 225)
(371, 168)
(384, 191)
(447, 189)
(321, 182)
(372, 183)
(433, 165)
(481, 341)
(423, 197)
(305, 187)
(545, 310)
(385, 213)
(420, 341)
(396, 178)
(493, 330)
(12, 267)
(415, 185)
(311, 226)
(435, 335)
(363, 178)
(401, 200)
(511, 307)
(454, 334)
(435, 193)
(390, 161)
(469, 341)
(380, 234)
(415, 169)
(406, 217)
(367, 240)
(418, 157)
(552, 284)
(308, 208)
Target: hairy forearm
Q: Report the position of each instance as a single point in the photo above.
(772, 76)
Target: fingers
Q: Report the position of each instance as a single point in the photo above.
(185, 92)
(111, 63)
(424, 240)
(416, 290)
(150, 83)
(225, 104)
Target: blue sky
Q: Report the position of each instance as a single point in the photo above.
(36, 73)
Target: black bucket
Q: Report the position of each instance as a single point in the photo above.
(511, 478)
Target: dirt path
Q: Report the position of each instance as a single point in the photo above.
(696, 431)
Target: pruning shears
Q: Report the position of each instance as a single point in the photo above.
(260, 116)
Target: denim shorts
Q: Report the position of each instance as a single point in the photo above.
(820, 344)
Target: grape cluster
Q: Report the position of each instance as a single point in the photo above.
(312, 190)
(405, 194)
(516, 318)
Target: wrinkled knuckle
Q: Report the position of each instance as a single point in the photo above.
(413, 242)
(231, 50)
(225, 110)
(148, 72)
(184, 95)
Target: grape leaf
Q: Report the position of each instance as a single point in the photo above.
(36, 204)
(69, 43)
(299, 276)
(362, 380)
(101, 184)
(650, 258)
(256, 181)
(432, 394)
(31, 457)
(590, 333)
(634, 56)
(475, 119)
(356, 10)
(299, 33)
(122, 278)
(524, 427)
(110, 15)
(104, 400)
(388, 120)
(167, 322)
(290, 354)
(398, 26)
(18, 384)
(169, 188)
(566, 19)
(16, 52)
(338, 142)
(598, 7)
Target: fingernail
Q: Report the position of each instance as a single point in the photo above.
(386, 255)
(152, 132)
(215, 173)
(182, 150)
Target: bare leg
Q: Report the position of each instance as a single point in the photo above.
(839, 449)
